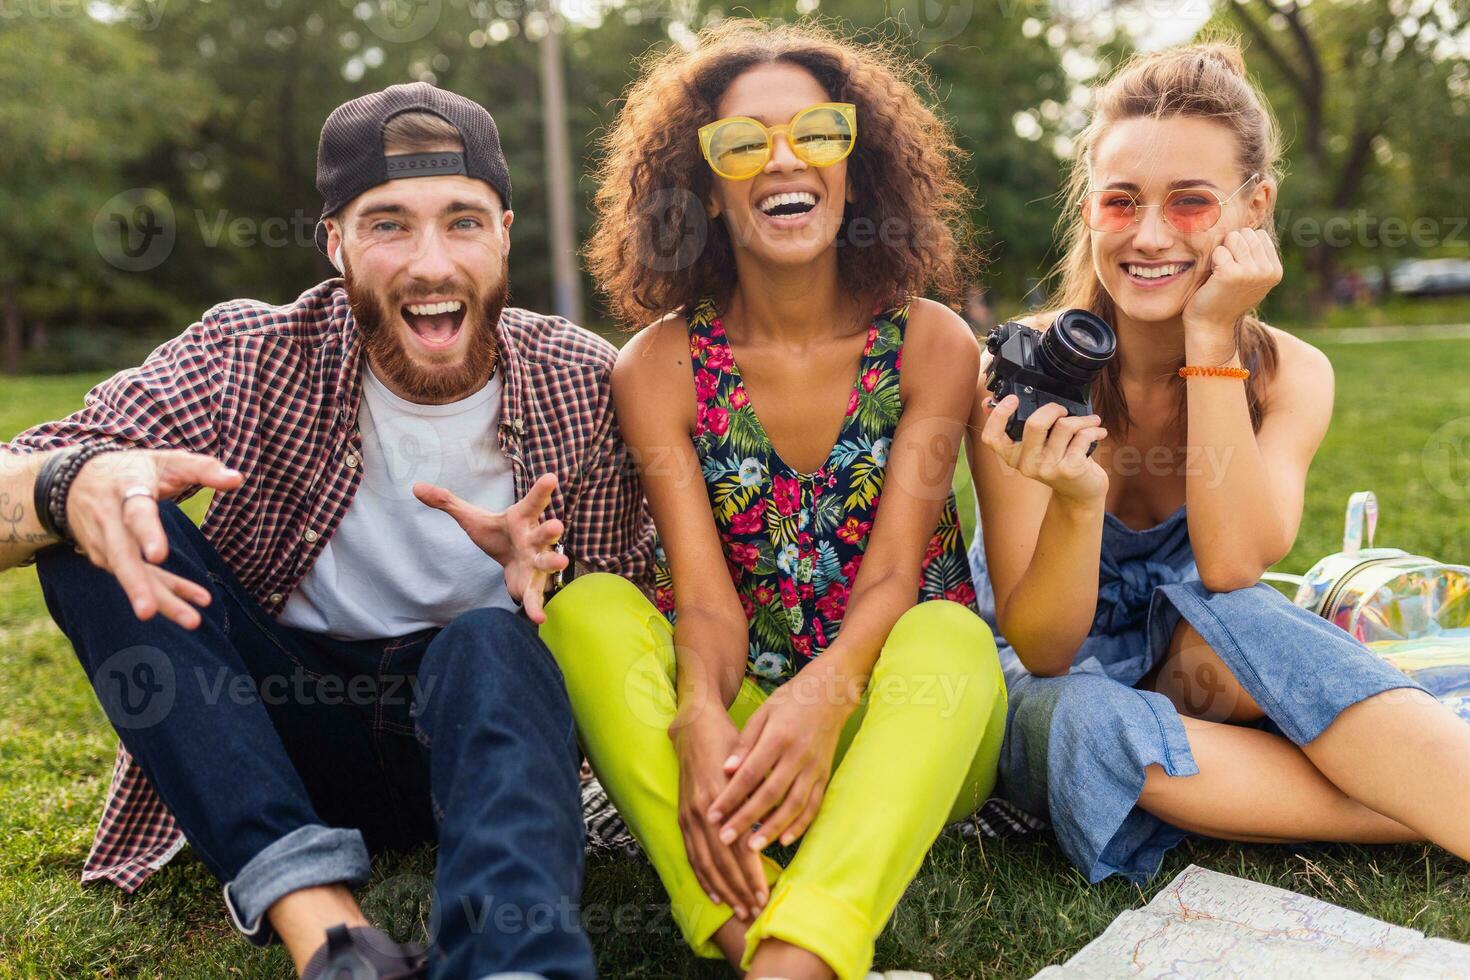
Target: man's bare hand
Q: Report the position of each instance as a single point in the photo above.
(516, 537)
(120, 531)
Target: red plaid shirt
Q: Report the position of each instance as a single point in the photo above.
(273, 391)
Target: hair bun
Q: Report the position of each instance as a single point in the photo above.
(1224, 53)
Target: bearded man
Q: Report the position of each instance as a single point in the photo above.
(343, 659)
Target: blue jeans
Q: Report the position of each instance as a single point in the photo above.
(288, 757)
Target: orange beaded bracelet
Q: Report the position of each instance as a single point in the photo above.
(1196, 371)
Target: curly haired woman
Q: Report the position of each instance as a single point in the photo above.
(1171, 693)
(814, 667)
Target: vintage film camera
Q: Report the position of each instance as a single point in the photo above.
(1054, 365)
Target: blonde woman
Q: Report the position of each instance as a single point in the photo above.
(1156, 689)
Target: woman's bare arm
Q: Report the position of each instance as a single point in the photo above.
(1042, 550)
(940, 363)
(1245, 492)
(653, 389)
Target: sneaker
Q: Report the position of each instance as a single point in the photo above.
(365, 953)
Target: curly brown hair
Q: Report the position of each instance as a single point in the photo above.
(654, 251)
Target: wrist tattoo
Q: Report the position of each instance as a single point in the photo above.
(12, 516)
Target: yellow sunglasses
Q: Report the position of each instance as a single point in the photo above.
(738, 147)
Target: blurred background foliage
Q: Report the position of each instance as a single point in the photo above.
(205, 115)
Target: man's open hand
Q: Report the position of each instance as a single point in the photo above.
(516, 537)
(119, 530)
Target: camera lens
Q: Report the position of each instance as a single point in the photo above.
(1077, 347)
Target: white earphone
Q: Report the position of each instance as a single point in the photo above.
(337, 260)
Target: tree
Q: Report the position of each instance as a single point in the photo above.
(70, 130)
(212, 114)
(1375, 99)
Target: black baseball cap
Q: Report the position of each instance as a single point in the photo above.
(350, 157)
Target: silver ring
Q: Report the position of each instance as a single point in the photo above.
(139, 490)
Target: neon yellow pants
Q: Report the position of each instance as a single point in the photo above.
(919, 752)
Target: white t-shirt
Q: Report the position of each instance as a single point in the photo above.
(395, 565)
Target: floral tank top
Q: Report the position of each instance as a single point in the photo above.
(793, 542)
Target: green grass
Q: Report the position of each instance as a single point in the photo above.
(997, 908)
(1391, 311)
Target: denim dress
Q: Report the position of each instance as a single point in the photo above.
(1076, 746)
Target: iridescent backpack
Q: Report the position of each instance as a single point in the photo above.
(1412, 611)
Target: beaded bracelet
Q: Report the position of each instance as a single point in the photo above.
(1198, 371)
(54, 482)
